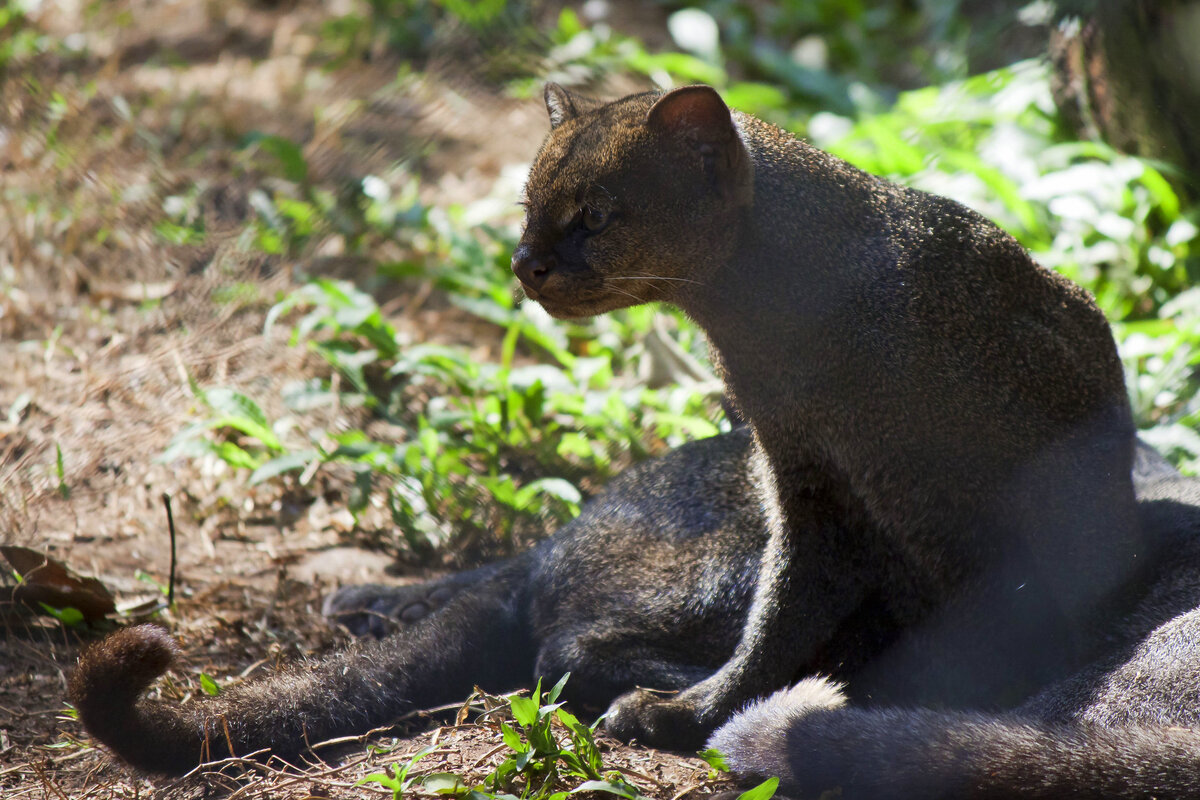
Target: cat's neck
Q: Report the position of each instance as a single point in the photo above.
(817, 237)
(813, 260)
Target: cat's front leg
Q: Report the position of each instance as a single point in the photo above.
(806, 588)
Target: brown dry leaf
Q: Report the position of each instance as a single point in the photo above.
(46, 580)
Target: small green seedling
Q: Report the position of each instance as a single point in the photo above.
(147, 578)
(64, 491)
(399, 781)
(715, 759)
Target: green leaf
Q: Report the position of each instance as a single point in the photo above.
(234, 404)
(186, 445)
(68, 616)
(235, 456)
(64, 491)
(441, 783)
(556, 690)
(402, 771)
(1158, 186)
(764, 791)
(557, 488)
(568, 24)
(285, 463)
(308, 395)
(680, 65)
(248, 427)
(542, 739)
(695, 427)
(621, 789)
(715, 759)
(512, 738)
(287, 152)
(381, 778)
(208, 685)
(524, 709)
(755, 98)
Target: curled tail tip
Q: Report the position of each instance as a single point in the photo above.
(106, 689)
(115, 670)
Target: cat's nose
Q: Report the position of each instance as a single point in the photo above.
(531, 268)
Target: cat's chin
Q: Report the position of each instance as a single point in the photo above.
(566, 310)
(574, 307)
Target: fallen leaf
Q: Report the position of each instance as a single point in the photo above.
(46, 580)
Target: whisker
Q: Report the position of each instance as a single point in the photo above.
(628, 294)
(651, 278)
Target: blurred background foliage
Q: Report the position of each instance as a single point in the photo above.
(1023, 111)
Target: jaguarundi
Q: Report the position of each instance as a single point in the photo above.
(938, 468)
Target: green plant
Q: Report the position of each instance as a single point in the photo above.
(479, 422)
(64, 491)
(399, 781)
(1110, 222)
(245, 437)
(19, 40)
(293, 210)
(550, 750)
(511, 435)
(552, 755)
(539, 758)
(499, 31)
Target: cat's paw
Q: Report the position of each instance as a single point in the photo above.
(378, 610)
(670, 722)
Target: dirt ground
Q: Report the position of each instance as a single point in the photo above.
(102, 323)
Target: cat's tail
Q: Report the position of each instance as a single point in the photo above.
(818, 747)
(480, 636)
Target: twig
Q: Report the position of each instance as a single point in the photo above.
(355, 738)
(488, 755)
(321, 772)
(228, 738)
(47, 784)
(685, 790)
(166, 498)
(213, 766)
(246, 672)
(417, 712)
(634, 773)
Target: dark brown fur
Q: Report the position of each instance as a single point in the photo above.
(942, 425)
(932, 407)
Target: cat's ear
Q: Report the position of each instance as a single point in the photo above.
(695, 112)
(560, 104)
(697, 116)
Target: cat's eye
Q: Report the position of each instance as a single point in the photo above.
(593, 218)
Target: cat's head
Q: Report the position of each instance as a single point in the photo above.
(631, 201)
